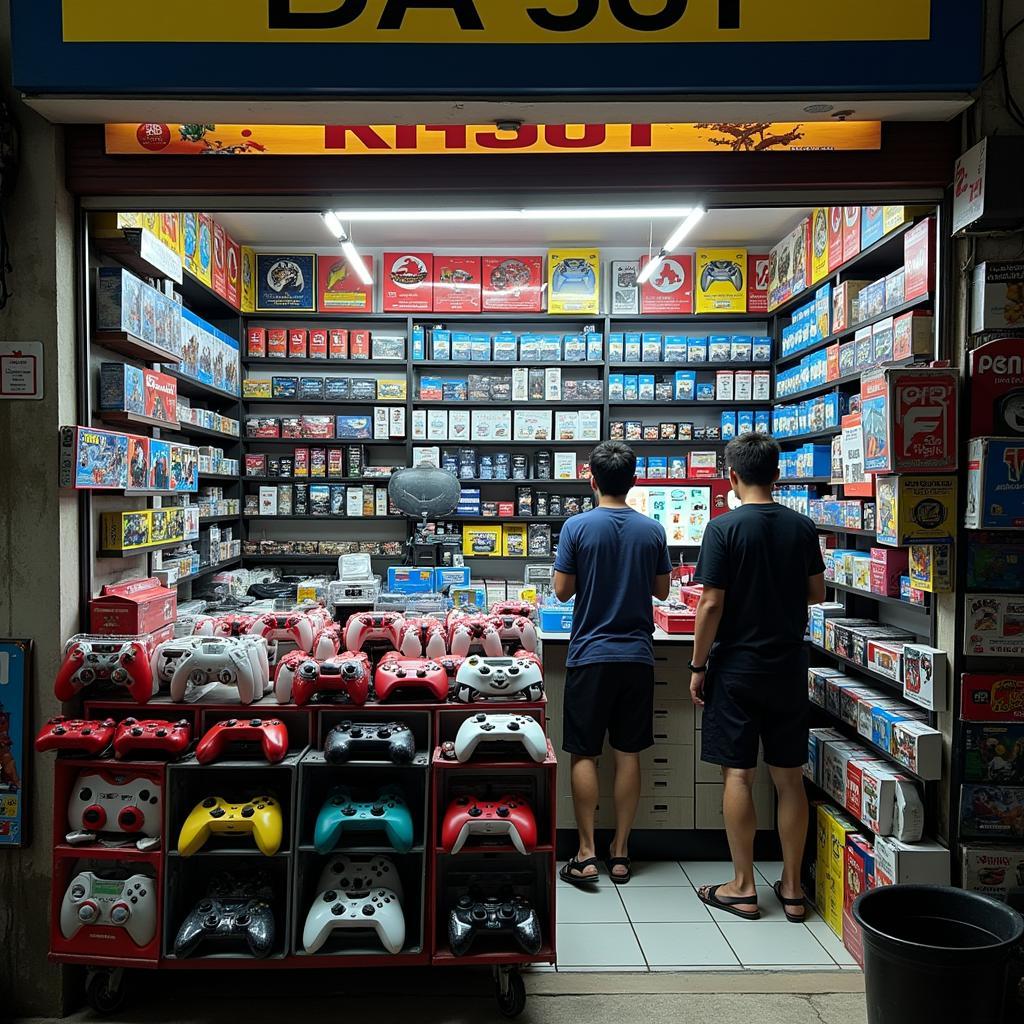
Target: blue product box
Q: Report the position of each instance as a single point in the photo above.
(615, 387)
(431, 389)
(556, 618)
(745, 421)
(762, 423)
(441, 345)
(574, 348)
(529, 348)
(336, 388)
(595, 346)
(657, 467)
(632, 347)
(697, 350)
(630, 387)
(455, 389)
(651, 347)
(462, 346)
(823, 310)
(645, 387)
(550, 348)
(121, 388)
(419, 343)
(457, 576)
(847, 358)
(470, 599)
(882, 721)
(506, 348)
(705, 392)
(410, 579)
(616, 348)
(719, 348)
(481, 348)
(641, 467)
(312, 389)
(686, 385)
(872, 225)
(675, 348)
(677, 467)
(284, 387)
(995, 488)
(728, 421)
(353, 428)
(741, 349)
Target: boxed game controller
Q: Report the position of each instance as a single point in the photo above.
(924, 676)
(407, 282)
(990, 811)
(922, 863)
(915, 509)
(721, 280)
(574, 278)
(995, 483)
(993, 870)
(833, 827)
(512, 284)
(994, 625)
(931, 567)
(482, 540)
(132, 607)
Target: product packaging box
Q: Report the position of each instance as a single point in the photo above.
(721, 276)
(247, 275)
(990, 811)
(513, 284)
(340, 288)
(859, 877)
(819, 244)
(817, 740)
(833, 827)
(757, 282)
(513, 540)
(285, 282)
(835, 238)
(126, 531)
(574, 279)
(844, 296)
(992, 698)
(457, 284)
(132, 607)
(994, 625)
(670, 288)
(909, 420)
(915, 509)
(919, 260)
(924, 676)
(994, 870)
(872, 225)
(995, 483)
(406, 285)
(993, 752)
(997, 296)
(625, 293)
(931, 567)
(198, 247)
(921, 863)
(851, 232)
(483, 540)
(119, 302)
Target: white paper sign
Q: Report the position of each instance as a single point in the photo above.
(969, 187)
(21, 370)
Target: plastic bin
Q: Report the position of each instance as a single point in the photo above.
(556, 618)
(933, 953)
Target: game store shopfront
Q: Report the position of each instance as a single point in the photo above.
(276, 317)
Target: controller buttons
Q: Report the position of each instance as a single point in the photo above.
(217, 812)
(348, 811)
(503, 812)
(377, 810)
(248, 812)
(144, 794)
(210, 802)
(357, 734)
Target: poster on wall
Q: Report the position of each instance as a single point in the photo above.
(407, 285)
(15, 664)
(670, 288)
(457, 284)
(512, 284)
(574, 281)
(339, 288)
(285, 282)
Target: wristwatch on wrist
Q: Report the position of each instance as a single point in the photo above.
(698, 668)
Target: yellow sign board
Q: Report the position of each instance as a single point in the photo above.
(390, 140)
(492, 21)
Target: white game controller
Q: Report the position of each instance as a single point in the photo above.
(129, 903)
(520, 729)
(327, 642)
(115, 801)
(297, 627)
(477, 633)
(499, 679)
(380, 910)
(360, 874)
(241, 661)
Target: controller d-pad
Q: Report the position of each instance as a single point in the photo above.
(503, 812)
(348, 811)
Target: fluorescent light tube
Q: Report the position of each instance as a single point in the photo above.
(355, 261)
(650, 267)
(333, 224)
(533, 213)
(683, 230)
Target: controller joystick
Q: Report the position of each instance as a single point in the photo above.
(507, 817)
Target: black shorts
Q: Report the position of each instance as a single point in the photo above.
(613, 698)
(742, 709)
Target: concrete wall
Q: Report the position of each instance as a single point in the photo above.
(38, 530)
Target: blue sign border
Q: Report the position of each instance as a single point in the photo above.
(14, 711)
(43, 64)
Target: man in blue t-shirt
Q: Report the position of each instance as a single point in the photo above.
(613, 560)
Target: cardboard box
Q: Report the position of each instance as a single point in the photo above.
(277, 342)
(513, 541)
(457, 285)
(670, 287)
(512, 284)
(919, 260)
(872, 225)
(924, 676)
(899, 863)
(990, 811)
(909, 420)
(126, 531)
(219, 273)
(992, 751)
(721, 280)
(991, 698)
(256, 343)
(995, 483)
(248, 279)
(286, 282)
(997, 296)
(997, 389)
(757, 282)
(574, 281)
(339, 287)
(915, 509)
(482, 540)
(996, 871)
(198, 247)
(890, 803)
(833, 827)
(931, 568)
(407, 282)
(851, 232)
(918, 747)
(859, 877)
(233, 275)
(994, 625)
(819, 244)
(132, 607)
(835, 238)
(298, 343)
(843, 297)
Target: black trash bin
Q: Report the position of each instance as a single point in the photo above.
(933, 953)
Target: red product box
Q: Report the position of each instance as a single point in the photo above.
(255, 465)
(757, 282)
(263, 426)
(233, 284)
(887, 566)
(339, 287)
(851, 232)
(506, 508)
(220, 261)
(301, 462)
(359, 345)
(277, 343)
(316, 426)
(858, 877)
(670, 288)
(336, 462)
(832, 362)
(998, 697)
(919, 260)
(913, 335)
(407, 285)
(298, 343)
(160, 393)
(855, 781)
(256, 342)
(457, 287)
(317, 462)
(703, 472)
(997, 381)
(318, 344)
(512, 284)
(835, 238)
(337, 344)
(132, 607)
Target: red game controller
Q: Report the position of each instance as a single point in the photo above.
(397, 673)
(153, 734)
(521, 608)
(295, 626)
(327, 642)
(451, 664)
(529, 656)
(122, 661)
(507, 817)
(347, 673)
(380, 626)
(270, 733)
(423, 638)
(90, 737)
(475, 633)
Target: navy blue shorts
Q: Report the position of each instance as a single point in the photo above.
(613, 698)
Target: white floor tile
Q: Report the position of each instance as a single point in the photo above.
(793, 968)
(598, 945)
(771, 944)
(603, 879)
(771, 909)
(666, 872)
(832, 943)
(707, 872)
(597, 906)
(769, 870)
(664, 905)
(685, 945)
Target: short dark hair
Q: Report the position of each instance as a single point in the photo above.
(613, 465)
(755, 459)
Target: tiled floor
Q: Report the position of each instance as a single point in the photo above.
(657, 923)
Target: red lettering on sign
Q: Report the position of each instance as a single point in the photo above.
(336, 136)
(524, 138)
(558, 135)
(454, 134)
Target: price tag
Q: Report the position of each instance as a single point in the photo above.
(21, 370)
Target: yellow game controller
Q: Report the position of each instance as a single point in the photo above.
(259, 817)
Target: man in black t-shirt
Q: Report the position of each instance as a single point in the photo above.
(761, 566)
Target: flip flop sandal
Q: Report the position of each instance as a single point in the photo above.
(709, 895)
(619, 862)
(580, 881)
(801, 902)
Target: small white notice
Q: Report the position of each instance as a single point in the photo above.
(21, 370)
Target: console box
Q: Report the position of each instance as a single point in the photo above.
(995, 483)
(996, 871)
(132, 607)
(915, 509)
(992, 625)
(992, 698)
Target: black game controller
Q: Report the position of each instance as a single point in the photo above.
(235, 914)
(374, 738)
(721, 270)
(511, 915)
